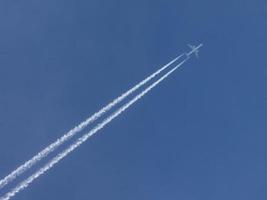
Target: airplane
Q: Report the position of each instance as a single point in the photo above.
(194, 49)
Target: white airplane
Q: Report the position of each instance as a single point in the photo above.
(194, 49)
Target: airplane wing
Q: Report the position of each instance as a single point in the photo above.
(191, 46)
(197, 54)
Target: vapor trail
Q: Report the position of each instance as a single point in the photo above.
(24, 184)
(28, 164)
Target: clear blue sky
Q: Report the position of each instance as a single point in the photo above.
(201, 135)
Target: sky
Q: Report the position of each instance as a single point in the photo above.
(200, 135)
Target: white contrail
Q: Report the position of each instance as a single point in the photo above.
(28, 164)
(24, 184)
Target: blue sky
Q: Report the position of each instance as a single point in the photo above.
(201, 135)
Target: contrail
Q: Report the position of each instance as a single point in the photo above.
(28, 164)
(24, 184)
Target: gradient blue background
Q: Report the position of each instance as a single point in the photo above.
(201, 135)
